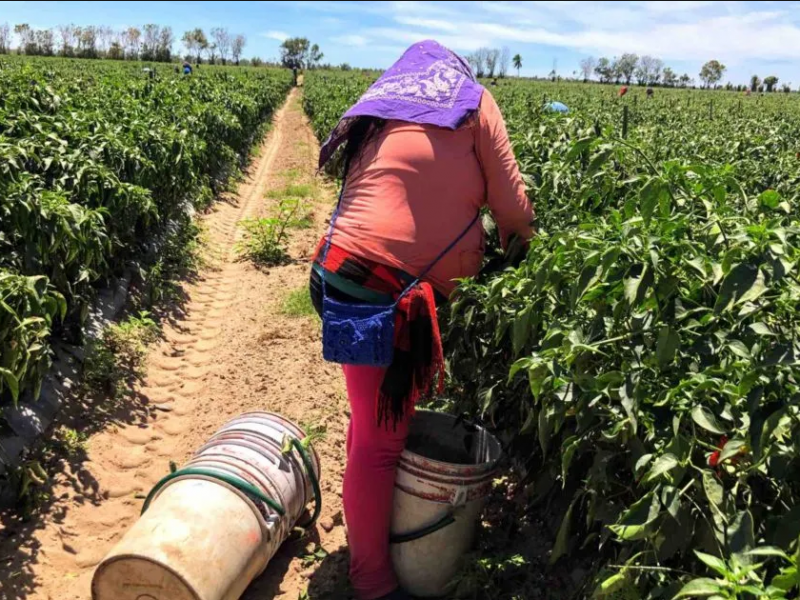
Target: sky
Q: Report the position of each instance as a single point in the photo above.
(748, 37)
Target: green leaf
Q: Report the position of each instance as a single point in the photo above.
(741, 537)
(562, 538)
(634, 522)
(731, 449)
(712, 561)
(699, 588)
(713, 488)
(760, 329)
(632, 287)
(12, 382)
(739, 349)
(522, 329)
(743, 283)
(568, 449)
(663, 464)
(769, 551)
(706, 419)
(669, 342)
(649, 195)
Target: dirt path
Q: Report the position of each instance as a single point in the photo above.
(232, 350)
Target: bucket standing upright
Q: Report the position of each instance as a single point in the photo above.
(213, 525)
(443, 479)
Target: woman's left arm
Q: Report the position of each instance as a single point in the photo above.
(504, 186)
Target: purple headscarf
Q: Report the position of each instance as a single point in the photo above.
(429, 84)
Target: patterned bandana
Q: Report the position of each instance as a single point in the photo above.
(428, 85)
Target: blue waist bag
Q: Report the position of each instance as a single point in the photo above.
(358, 333)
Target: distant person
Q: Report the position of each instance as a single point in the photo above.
(187, 68)
(416, 176)
(294, 74)
(558, 107)
(623, 90)
(649, 92)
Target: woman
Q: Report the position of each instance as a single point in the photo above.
(425, 149)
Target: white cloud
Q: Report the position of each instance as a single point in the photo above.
(276, 35)
(428, 23)
(351, 40)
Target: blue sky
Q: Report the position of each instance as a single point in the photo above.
(748, 37)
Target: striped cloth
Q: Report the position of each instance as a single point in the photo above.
(418, 365)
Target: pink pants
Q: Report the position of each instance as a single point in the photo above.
(372, 455)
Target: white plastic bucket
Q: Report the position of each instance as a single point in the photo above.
(203, 538)
(444, 476)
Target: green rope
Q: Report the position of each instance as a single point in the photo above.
(244, 486)
(402, 538)
(232, 480)
(298, 445)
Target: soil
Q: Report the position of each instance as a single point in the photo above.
(228, 350)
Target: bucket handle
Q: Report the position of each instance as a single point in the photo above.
(401, 538)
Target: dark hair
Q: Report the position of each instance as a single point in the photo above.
(360, 133)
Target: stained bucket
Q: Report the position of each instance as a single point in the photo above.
(443, 479)
(212, 526)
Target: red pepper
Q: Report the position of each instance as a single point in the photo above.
(713, 460)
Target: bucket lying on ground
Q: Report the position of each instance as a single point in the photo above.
(208, 530)
(443, 478)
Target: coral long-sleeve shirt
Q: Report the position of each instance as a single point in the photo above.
(414, 188)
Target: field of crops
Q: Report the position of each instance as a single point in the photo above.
(642, 362)
(101, 166)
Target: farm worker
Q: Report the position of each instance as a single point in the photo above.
(649, 92)
(425, 149)
(623, 90)
(187, 68)
(558, 107)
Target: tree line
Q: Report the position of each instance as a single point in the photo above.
(651, 71)
(492, 62)
(150, 42)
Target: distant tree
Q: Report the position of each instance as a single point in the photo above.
(786, 88)
(505, 61)
(5, 38)
(133, 38)
(588, 65)
(517, 63)
(87, 41)
(345, 67)
(605, 70)
(104, 33)
(66, 36)
(477, 60)
(492, 58)
(237, 46)
(26, 39)
(195, 42)
(255, 62)
(669, 78)
(685, 80)
(314, 56)
(625, 67)
(480, 57)
(770, 82)
(166, 40)
(45, 42)
(116, 51)
(294, 52)
(755, 81)
(712, 72)
(222, 41)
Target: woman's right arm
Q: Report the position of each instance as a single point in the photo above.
(505, 189)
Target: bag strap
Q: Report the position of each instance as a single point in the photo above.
(442, 254)
(425, 271)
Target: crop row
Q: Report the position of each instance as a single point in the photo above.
(100, 163)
